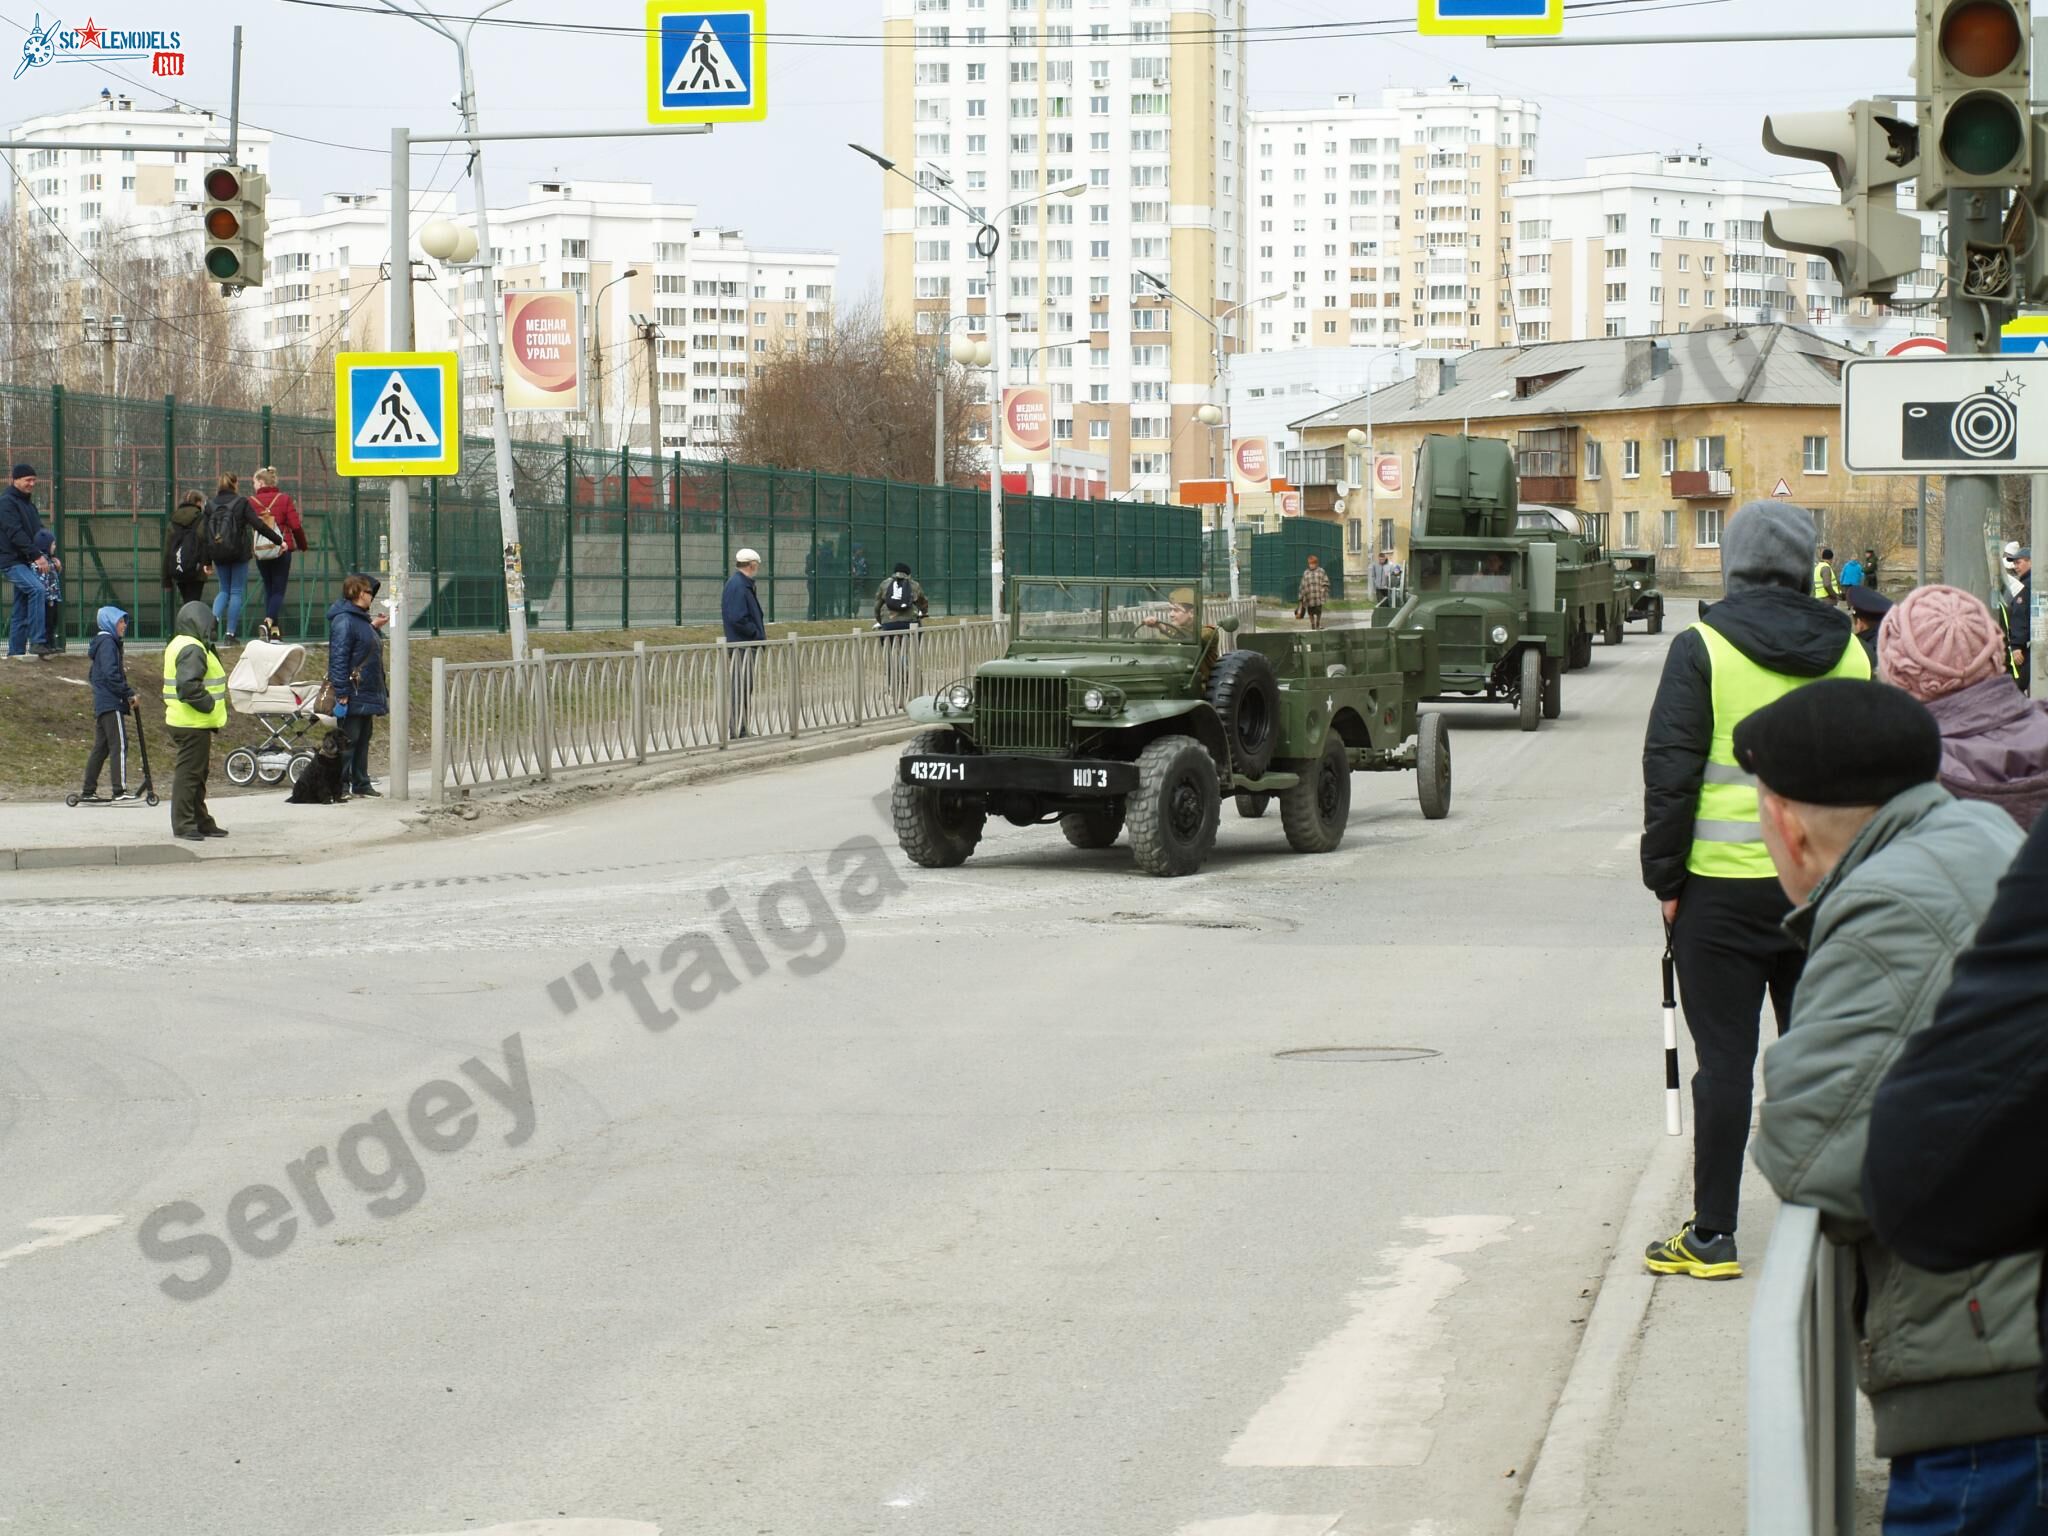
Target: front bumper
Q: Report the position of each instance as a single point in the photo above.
(986, 773)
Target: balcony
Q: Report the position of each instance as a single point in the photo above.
(1312, 468)
(1702, 484)
(1551, 490)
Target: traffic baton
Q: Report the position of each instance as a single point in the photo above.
(1674, 1113)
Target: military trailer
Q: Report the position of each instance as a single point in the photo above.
(1114, 708)
(1586, 591)
(1635, 587)
(1487, 591)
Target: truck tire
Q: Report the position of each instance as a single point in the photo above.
(1553, 693)
(1532, 687)
(1582, 645)
(1173, 814)
(1316, 811)
(1656, 624)
(933, 828)
(1094, 829)
(1246, 696)
(1618, 631)
(1251, 807)
(1433, 766)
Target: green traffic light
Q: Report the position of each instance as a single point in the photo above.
(223, 263)
(1982, 135)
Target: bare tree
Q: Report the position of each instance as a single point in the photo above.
(859, 401)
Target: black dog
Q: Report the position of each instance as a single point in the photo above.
(321, 784)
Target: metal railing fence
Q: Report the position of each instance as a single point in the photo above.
(1802, 1384)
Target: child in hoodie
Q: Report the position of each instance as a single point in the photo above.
(53, 588)
(112, 698)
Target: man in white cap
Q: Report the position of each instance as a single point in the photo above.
(741, 610)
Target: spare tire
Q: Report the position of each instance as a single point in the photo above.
(1246, 696)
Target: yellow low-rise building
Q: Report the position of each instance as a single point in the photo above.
(1657, 439)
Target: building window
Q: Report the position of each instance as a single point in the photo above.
(1814, 456)
(1592, 459)
(1631, 459)
(1710, 453)
(1670, 455)
(1631, 529)
(1671, 530)
(1387, 534)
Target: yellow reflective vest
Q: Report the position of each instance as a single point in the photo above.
(1727, 829)
(176, 711)
(1824, 586)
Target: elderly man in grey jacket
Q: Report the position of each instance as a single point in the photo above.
(1889, 879)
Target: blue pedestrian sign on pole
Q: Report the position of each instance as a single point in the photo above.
(1491, 18)
(2025, 336)
(397, 413)
(707, 63)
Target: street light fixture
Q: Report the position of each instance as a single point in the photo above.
(597, 354)
(975, 354)
(1368, 439)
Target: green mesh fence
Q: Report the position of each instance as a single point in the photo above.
(610, 540)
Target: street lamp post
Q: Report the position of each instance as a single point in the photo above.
(1214, 415)
(597, 354)
(1369, 441)
(976, 354)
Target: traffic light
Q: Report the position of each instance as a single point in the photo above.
(235, 222)
(1973, 67)
(1870, 241)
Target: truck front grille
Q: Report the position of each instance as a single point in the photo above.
(1022, 714)
(1461, 631)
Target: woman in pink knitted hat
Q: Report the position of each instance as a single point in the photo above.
(1943, 647)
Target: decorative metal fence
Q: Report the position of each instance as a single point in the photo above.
(500, 722)
(609, 540)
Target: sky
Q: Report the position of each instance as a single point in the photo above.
(348, 78)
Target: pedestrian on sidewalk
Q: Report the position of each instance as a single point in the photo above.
(24, 565)
(232, 528)
(1943, 647)
(1825, 586)
(355, 671)
(1867, 608)
(740, 609)
(2020, 631)
(53, 592)
(279, 513)
(1957, 1170)
(185, 566)
(1313, 595)
(1382, 579)
(1890, 877)
(195, 706)
(1703, 852)
(112, 698)
(900, 607)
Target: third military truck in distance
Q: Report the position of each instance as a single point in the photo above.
(1116, 707)
(1635, 587)
(1513, 595)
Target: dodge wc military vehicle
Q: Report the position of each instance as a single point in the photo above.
(1586, 590)
(1486, 590)
(1635, 587)
(1113, 707)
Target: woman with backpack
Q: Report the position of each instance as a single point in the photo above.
(185, 564)
(276, 511)
(231, 529)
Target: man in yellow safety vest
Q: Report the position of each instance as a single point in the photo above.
(1825, 587)
(195, 706)
(1703, 851)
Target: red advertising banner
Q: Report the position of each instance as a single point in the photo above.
(1251, 466)
(543, 355)
(1027, 424)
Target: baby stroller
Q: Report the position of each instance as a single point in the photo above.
(262, 686)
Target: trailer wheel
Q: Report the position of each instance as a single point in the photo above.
(1553, 693)
(1095, 828)
(1656, 624)
(1252, 806)
(1316, 811)
(1532, 687)
(1173, 814)
(936, 828)
(1246, 696)
(1433, 766)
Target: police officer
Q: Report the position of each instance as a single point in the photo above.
(195, 706)
(1867, 608)
(1824, 585)
(1703, 852)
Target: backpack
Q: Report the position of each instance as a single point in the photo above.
(186, 555)
(896, 596)
(223, 525)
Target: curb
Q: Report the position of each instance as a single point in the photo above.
(102, 854)
(1558, 1496)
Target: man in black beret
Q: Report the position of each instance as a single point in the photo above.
(1889, 878)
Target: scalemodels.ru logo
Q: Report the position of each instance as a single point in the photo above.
(95, 44)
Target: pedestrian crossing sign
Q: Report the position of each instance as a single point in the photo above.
(707, 63)
(1491, 18)
(397, 413)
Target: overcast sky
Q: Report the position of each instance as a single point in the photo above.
(349, 78)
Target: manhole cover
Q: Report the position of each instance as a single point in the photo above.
(1360, 1053)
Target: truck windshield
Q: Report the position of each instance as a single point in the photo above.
(1439, 572)
(1162, 612)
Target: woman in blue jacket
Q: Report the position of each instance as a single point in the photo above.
(355, 668)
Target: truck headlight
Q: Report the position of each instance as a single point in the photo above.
(1637, 585)
(1095, 701)
(960, 697)
(1500, 634)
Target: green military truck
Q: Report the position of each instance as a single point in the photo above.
(1115, 708)
(1586, 588)
(1635, 588)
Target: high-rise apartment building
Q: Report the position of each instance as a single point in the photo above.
(1661, 244)
(1142, 104)
(1388, 223)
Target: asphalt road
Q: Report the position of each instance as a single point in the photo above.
(978, 1202)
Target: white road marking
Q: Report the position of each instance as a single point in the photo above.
(558, 1528)
(58, 1230)
(1264, 1525)
(1365, 1396)
(909, 1498)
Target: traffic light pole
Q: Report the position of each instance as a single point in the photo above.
(400, 487)
(1971, 502)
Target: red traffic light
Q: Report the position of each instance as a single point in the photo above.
(221, 224)
(1981, 38)
(222, 184)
